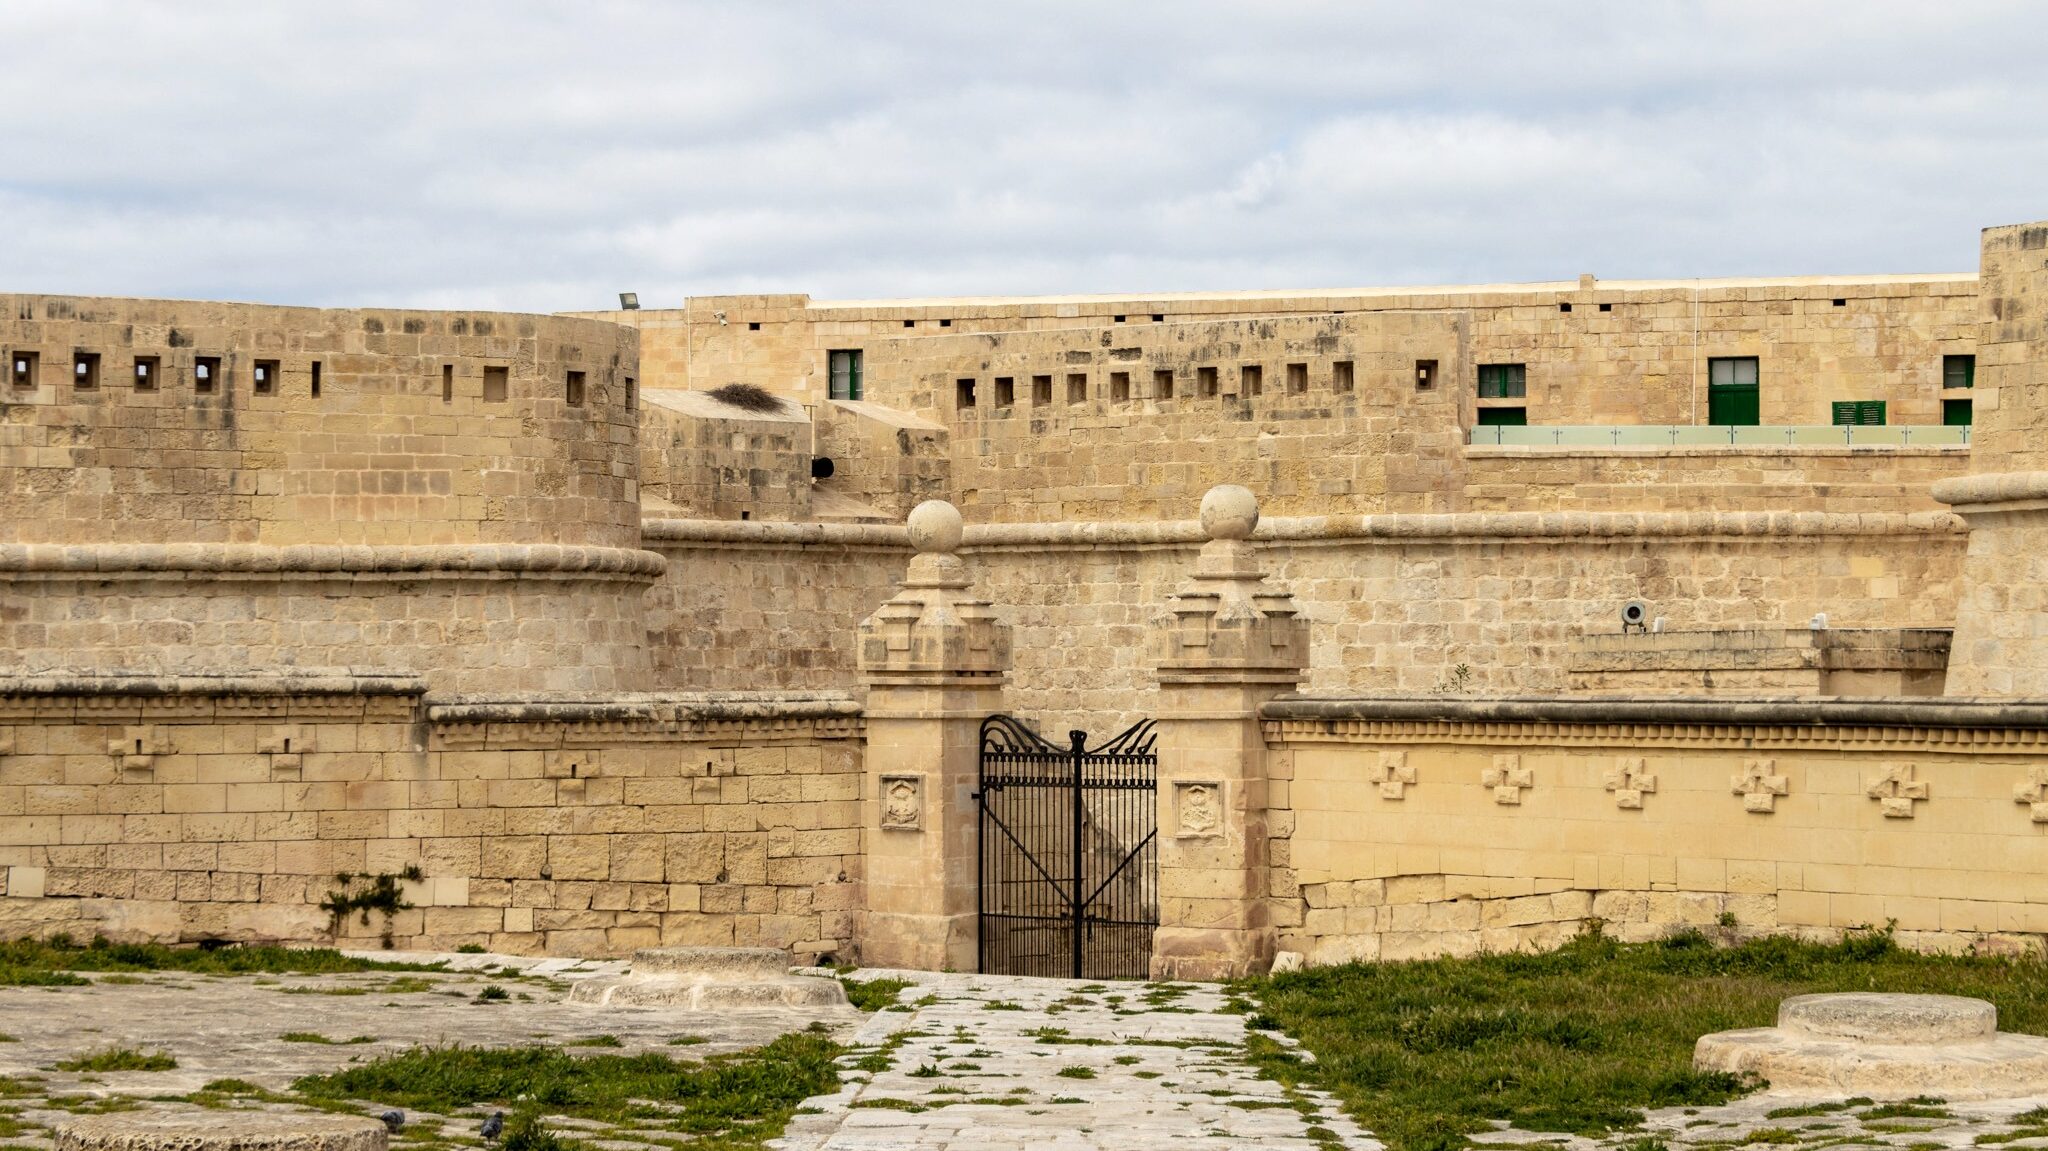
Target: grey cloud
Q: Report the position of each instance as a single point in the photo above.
(544, 155)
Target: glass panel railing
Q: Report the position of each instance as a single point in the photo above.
(1716, 435)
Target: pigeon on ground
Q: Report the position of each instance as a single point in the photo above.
(493, 1127)
(393, 1120)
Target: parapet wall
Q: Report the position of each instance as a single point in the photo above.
(1398, 603)
(223, 809)
(1409, 828)
(365, 426)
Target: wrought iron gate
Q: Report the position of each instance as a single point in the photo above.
(1069, 868)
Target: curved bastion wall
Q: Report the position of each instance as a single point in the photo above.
(203, 487)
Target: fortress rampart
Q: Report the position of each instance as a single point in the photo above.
(196, 487)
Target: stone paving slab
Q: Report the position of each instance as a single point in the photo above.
(991, 1062)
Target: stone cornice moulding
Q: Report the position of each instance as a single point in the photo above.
(324, 560)
(1994, 492)
(320, 560)
(1933, 726)
(1482, 527)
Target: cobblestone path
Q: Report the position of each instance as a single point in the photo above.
(987, 1063)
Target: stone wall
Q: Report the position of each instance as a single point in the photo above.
(704, 458)
(189, 810)
(1398, 603)
(1819, 479)
(498, 618)
(1437, 827)
(1597, 352)
(400, 445)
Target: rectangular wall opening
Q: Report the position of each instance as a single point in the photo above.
(1162, 384)
(1340, 376)
(1120, 387)
(447, 383)
(1503, 381)
(1041, 390)
(497, 384)
(21, 369)
(1251, 380)
(1959, 371)
(1006, 391)
(1205, 383)
(1425, 375)
(1297, 378)
(963, 395)
(632, 394)
(266, 377)
(316, 379)
(843, 373)
(205, 374)
(1077, 388)
(85, 371)
(146, 369)
(572, 389)
(1734, 391)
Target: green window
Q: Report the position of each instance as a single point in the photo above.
(1959, 372)
(1732, 392)
(845, 381)
(1503, 417)
(1859, 412)
(1955, 413)
(1503, 381)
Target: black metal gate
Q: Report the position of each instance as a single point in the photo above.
(1069, 868)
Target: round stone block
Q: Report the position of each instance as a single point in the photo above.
(936, 528)
(1879, 1018)
(714, 962)
(221, 1131)
(1229, 512)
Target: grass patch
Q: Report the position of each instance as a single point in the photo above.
(1076, 1073)
(30, 962)
(595, 1041)
(873, 994)
(120, 1059)
(738, 1100)
(316, 1037)
(1582, 1039)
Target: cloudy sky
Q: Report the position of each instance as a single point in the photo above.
(544, 156)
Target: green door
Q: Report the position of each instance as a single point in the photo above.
(1732, 392)
(1503, 417)
(1955, 413)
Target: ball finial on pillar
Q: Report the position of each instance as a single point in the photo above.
(935, 528)
(1229, 512)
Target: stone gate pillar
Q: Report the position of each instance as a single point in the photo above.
(934, 659)
(1227, 642)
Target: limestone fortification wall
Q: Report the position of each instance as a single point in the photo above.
(401, 444)
(704, 458)
(1790, 479)
(1440, 827)
(1624, 352)
(224, 810)
(203, 487)
(1397, 602)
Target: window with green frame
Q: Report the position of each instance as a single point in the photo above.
(1959, 371)
(1503, 381)
(1955, 413)
(844, 367)
(1503, 417)
(1733, 395)
(1859, 412)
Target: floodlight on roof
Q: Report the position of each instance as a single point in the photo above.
(630, 301)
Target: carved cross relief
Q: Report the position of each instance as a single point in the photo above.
(1758, 787)
(1896, 790)
(1393, 774)
(1630, 782)
(1508, 778)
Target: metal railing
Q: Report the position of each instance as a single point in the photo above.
(1717, 435)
